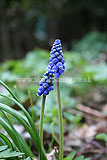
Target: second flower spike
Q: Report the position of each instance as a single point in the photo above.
(46, 83)
(56, 63)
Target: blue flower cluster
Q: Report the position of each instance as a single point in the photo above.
(56, 63)
(56, 67)
(46, 83)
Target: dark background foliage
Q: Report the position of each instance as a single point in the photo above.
(26, 24)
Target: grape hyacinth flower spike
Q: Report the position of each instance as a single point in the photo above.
(56, 63)
(46, 83)
(45, 86)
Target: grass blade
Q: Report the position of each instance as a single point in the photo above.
(34, 129)
(8, 89)
(6, 140)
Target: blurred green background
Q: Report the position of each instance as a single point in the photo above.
(27, 30)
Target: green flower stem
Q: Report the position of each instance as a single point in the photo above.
(41, 119)
(60, 119)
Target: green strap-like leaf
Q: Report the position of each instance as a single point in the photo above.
(6, 140)
(34, 129)
(8, 89)
(2, 148)
(8, 154)
(26, 149)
